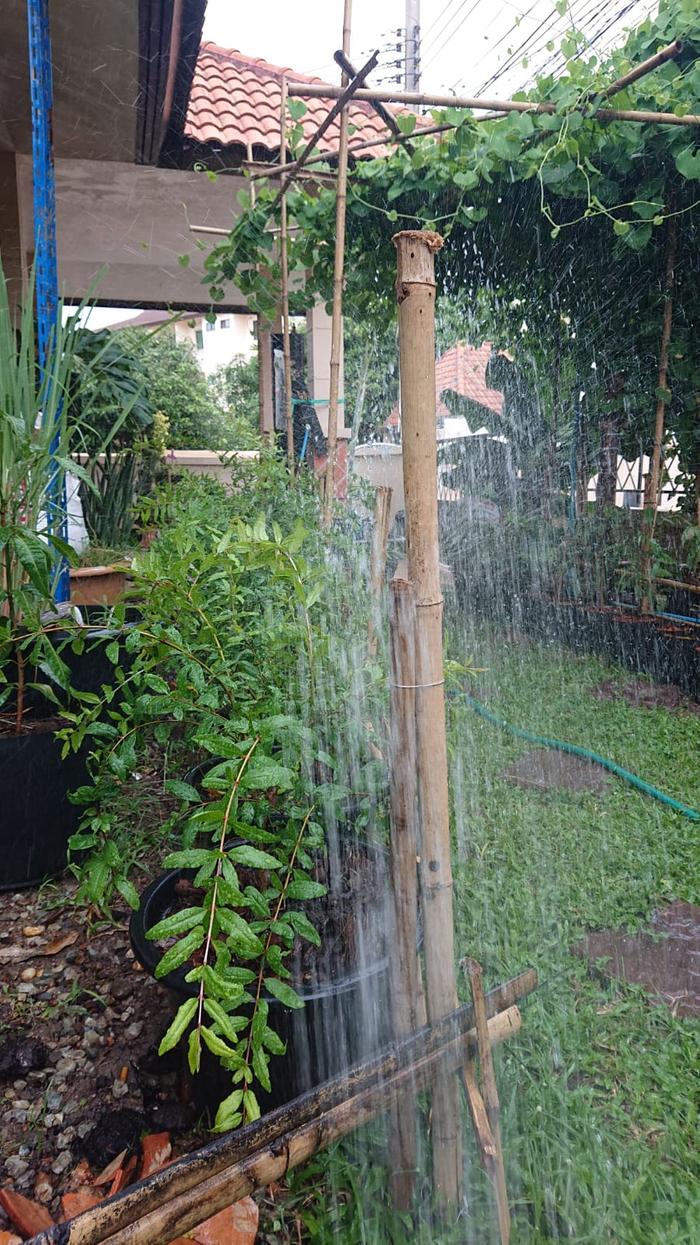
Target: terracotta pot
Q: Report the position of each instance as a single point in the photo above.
(97, 585)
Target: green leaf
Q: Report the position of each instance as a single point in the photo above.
(253, 858)
(688, 164)
(406, 122)
(190, 858)
(183, 1017)
(215, 1044)
(283, 992)
(262, 773)
(467, 179)
(177, 923)
(297, 109)
(250, 1104)
(181, 952)
(302, 926)
(35, 560)
(183, 790)
(221, 1018)
(621, 227)
(245, 939)
(194, 1051)
(260, 1068)
(273, 1041)
(128, 891)
(228, 1115)
(304, 888)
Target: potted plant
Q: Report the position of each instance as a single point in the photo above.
(40, 650)
(226, 660)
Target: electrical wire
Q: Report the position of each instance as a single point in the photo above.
(430, 60)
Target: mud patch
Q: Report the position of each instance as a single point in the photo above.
(665, 959)
(543, 769)
(643, 695)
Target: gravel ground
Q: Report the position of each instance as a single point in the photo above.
(79, 1028)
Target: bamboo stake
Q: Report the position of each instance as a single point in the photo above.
(380, 540)
(284, 264)
(645, 67)
(314, 90)
(193, 1171)
(677, 583)
(406, 985)
(384, 115)
(415, 288)
(338, 263)
(651, 499)
(296, 166)
(495, 1163)
(185, 1211)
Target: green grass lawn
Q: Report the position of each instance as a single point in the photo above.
(600, 1090)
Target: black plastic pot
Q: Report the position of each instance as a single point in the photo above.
(345, 1019)
(37, 817)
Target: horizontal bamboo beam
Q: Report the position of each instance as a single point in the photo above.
(641, 70)
(184, 1212)
(677, 583)
(99, 1224)
(315, 90)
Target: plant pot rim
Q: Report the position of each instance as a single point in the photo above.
(89, 572)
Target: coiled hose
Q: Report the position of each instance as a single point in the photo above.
(574, 750)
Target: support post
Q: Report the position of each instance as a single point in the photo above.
(415, 287)
(338, 272)
(284, 264)
(380, 538)
(45, 264)
(406, 985)
(265, 390)
(653, 482)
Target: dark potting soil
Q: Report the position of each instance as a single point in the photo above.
(545, 770)
(348, 918)
(663, 959)
(31, 725)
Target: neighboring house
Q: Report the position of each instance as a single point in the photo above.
(461, 371)
(630, 483)
(216, 342)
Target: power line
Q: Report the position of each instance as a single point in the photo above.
(453, 32)
(435, 21)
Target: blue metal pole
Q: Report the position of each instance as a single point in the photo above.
(45, 266)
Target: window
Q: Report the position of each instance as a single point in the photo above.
(199, 339)
(224, 323)
(210, 325)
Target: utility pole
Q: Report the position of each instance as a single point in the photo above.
(412, 37)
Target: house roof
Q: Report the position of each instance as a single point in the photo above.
(147, 319)
(236, 99)
(462, 370)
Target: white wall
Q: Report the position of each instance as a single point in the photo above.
(229, 336)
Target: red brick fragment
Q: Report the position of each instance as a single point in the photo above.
(237, 1225)
(27, 1216)
(155, 1152)
(81, 1199)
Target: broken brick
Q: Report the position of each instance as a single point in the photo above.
(237, 1225)
(155, 1152)
(27, 1216)
(75, 1203)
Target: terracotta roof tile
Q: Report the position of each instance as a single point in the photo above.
(236, 99)
(462, 370)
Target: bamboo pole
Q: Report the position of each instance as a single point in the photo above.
(284, 264)
(406, 985)
(273, 1164)
(651, 499)
(415, 287)
(645, 67)
(495, 1164)
(314, 90)
(193, 1171)
(338, 273)
(352, 86)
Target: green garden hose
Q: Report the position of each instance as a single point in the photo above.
(574, 750)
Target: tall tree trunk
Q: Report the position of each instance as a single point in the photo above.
(606, 488)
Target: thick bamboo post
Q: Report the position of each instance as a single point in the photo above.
(184, 1211)
(406, 985)
(415, 287)
(651, 499)
(284, 264)
(338, 273)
